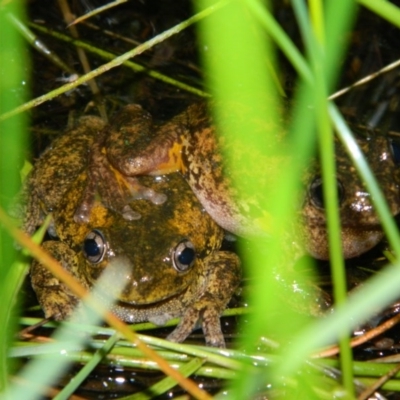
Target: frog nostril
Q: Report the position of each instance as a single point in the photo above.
(183, 256)
(94, 246)
(317, 192)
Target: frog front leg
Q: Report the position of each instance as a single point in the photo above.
(136, 146)
(103, 179)
(128, 132)
(218, 283)
(55, 298)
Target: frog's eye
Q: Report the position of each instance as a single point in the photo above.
(395, 148)
(94, 246)
(183, 256)
(317, 195)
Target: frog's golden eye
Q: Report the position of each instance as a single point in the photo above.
(94, 246)
(183, 255)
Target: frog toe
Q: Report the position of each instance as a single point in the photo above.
(55, 300)
(185, 327)
(82, 214)
(129, 215)
(61, 308)
(153, 196)
(210, 323)
(212, 328)
(139, 191)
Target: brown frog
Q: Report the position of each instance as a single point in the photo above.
(188, 143)
(171, 250)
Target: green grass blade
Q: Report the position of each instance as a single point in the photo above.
(383, 8)
(13, 78)
(382, 209)
(281, 38)
(69, 389)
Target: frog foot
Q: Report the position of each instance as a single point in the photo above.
(83, 211)
(139, 191)
(127, 192)
(211, 326)
(220, 282)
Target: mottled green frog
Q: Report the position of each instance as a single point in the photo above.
(171, 249)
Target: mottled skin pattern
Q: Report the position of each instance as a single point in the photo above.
(188, 144)
(155, 290)
(361, 229)
(56, 170)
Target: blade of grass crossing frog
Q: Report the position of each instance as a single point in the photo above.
(235, 45)
(312, 27)
(231, 44)
(323, 43)
(380, 291)
(318, 52)
(361, 164)
(13, 71)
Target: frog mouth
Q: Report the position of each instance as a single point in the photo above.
(355, 241)
(158, 312)
(141, 286)
(115, 284)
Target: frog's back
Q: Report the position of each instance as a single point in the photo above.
(220, 169)
(56, 169)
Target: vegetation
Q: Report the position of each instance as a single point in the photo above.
(239, 36)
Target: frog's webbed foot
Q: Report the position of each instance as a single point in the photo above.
(221, 280)
(117, 198)
(116, 194)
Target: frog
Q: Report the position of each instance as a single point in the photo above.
(170, 250)
(60, 165)
(188, 143)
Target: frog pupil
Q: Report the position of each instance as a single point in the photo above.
(183, 255)
(94, 247)
(91, 247)
(186, 257)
